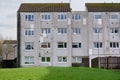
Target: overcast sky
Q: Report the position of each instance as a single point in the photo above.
(8, 9)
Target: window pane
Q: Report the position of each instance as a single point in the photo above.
(29, 45)
(48, 59)
(113, 16)
(98, 16)
(64, 59)
(62, 16)
(43, 59)
(65, 45)
(79, 45)
(59, 59)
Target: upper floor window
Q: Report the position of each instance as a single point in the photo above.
(45, 45)
(114, 30)
(97, 44)
(62, 45)
(62, 30)
(114, 44)
(97, 16)
(29, 45)
(76, 30)
(45, 16)
(76, 16)
(29, 17)
(46, 30)
(97, 30)
(113, 16)
(29, 60)
(62, 16)
(76, 45)
(29, 32)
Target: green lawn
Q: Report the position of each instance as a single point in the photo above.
(58, 73)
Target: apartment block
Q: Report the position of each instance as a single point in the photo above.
(51, 34)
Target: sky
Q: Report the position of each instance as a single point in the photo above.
(8, 12)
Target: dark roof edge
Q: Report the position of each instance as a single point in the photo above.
(32, 4)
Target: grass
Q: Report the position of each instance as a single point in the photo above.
(58, 73)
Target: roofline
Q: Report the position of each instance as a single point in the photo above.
(41, 3)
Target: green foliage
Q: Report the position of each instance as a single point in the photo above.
(58, 73)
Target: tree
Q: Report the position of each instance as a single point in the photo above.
(7, 49)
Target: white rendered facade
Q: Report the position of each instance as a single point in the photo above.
(63, 38)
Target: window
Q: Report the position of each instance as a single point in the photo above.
(114, 44)
(76, 16)
(45, 45)
(29, 46)
(62, 59)
(46, 30)
(62, 16)
(76, 30)
(29, 32)
(114, 30)
(29, 17)
(97, 44)
(97, 16)
(62, 30)
(77, 59)
(46, 16)
(76, 45)
(62, 45)
(45, 59)
(97, 30)
(29, 60)
(113, 16)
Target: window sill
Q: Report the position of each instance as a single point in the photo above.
(62, 62)
(45, 48)
(29, 50)
(45, 62)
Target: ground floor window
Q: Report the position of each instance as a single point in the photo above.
(45, 59)
(62, 59)
(29, 60)
(77, 59)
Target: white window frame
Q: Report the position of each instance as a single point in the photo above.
(47, 44)
(46, 30)
(98, 45)
(114, 14)
(76, 59)
(97, 14)
(78, 44)
(29, 17)
(62, 59)
(114, 30)
(62, 16)
(45, 59)
(97, 30)
(76, 16)
(63, 44)
(114, 44)
(76, 30)
(62, 31)
(29, 31)
(30, 60)
(31, 44)
(46, 16)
